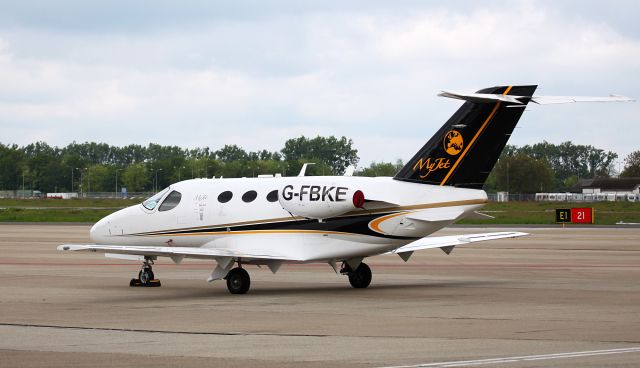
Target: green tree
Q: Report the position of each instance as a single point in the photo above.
(45, 168)
(631, 165)
(523, 174)
(10, 163)
(100, 178)
(567, 159)
(230, 153)
(334, 152)
(381, 169)
(136, 178)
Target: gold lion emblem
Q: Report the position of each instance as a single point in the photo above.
(453, 142)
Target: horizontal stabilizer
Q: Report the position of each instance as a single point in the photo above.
(540, 100)
(481, 97)
(451, 241)
(550, 100)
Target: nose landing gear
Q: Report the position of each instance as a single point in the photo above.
(145, 276)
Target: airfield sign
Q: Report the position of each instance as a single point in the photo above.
(575, 215)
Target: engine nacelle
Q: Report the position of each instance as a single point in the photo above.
(319, 201)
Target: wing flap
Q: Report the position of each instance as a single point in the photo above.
(448, 242)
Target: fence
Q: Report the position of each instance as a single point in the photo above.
(493, 197)
(564, 197)
(28, 194)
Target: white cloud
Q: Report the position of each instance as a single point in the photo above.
(371, 76)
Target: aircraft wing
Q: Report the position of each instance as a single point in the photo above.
(447, 243)
(175, 253)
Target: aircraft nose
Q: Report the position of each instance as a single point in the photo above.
(99, 230)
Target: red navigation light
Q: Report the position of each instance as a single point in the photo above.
(358, 199)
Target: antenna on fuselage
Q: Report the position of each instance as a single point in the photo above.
(303, 170)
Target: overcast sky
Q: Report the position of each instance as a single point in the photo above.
(255, 73)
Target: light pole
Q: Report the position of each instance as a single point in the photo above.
(507, 178)
(116, 193)
(156, 186)
(73, 170)
(179, 171)
(82, 182)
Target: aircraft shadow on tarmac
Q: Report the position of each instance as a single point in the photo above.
(170, 292)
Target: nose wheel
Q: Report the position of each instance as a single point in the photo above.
(145, 276)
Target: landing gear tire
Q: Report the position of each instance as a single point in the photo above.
(238, 281)
(145, 276)
(361, 277)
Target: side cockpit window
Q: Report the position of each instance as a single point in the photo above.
(152, 202)
(172, 200)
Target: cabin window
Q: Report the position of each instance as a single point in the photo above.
(152, 202)
(249, 196)
(225, 197)
(272, 196)
(172, 200)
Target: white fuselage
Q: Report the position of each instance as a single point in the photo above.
(395, 213)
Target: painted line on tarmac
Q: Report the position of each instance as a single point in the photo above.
(519, 359)
(169, 332)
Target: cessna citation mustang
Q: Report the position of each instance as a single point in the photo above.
(331, 219)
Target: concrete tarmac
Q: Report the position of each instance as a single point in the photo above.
(568, 297)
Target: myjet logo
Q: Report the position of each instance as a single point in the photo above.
(453, 143)
(425, 166)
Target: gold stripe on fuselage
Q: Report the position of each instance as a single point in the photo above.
(397, 211)
(245, 232)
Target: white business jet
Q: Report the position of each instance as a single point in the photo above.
(339, 220)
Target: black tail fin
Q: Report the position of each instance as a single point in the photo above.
(463, 152)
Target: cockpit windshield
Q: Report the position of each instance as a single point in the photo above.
(152, 202)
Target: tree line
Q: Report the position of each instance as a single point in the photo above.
(99, 167)
(547, 167)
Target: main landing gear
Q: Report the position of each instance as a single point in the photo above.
(359, 278)
(145, 276)
(238, 281)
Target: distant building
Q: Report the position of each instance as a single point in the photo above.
(596, 190)
(617, 186)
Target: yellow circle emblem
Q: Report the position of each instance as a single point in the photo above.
(453, 142)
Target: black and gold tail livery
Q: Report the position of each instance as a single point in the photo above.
(463, 152)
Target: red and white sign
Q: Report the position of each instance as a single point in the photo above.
(582, 215)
